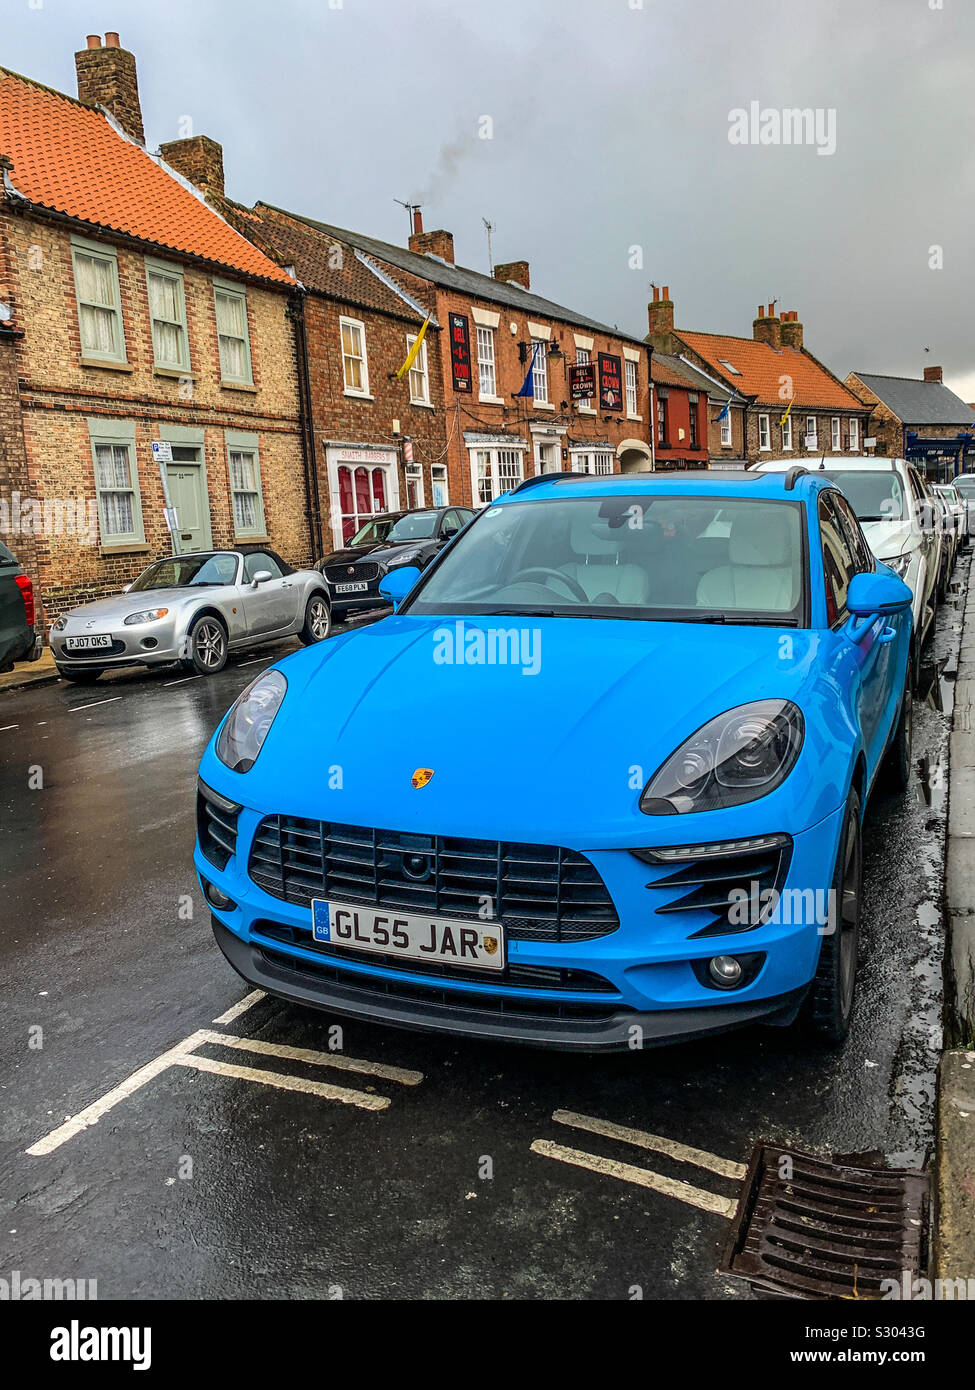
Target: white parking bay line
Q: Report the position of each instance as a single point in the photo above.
(361, 1099)
(74, 1124)
(9, 726)
(642, 1177)
(656, 1143)
(255, 660)
(319, 1059)
(248, 1002)
(110, 701)
(182, 680)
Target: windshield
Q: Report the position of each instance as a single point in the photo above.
(966, 485)
(373, 532)
(874, 496)
(186, 571)
(690, 558)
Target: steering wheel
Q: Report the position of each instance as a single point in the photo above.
(573, 586)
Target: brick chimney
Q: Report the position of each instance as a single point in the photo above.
(198, 159)
(932, 374)
(660, 312)
(767, 328)
(513, 270)
(438, 243)
(790, 332)
(107, 77)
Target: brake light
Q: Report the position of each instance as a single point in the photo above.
(26, 588)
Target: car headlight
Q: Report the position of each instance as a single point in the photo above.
(739, 756)
(900, 564)
(249, 721)
(60, 624)
(148, 615)
(409, 557)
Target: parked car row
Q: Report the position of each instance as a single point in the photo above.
(604, 769)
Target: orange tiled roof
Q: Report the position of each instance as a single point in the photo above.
(761, 368)
(68, 158)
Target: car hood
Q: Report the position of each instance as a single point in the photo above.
(109, 610)
(377, 551)
(570, 744)
(888, 539)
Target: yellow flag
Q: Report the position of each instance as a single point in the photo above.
(411, 355)
(786, 415)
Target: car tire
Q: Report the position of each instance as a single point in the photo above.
(318, 621)
(86, 677)
(206, 644)
(828, 1007)
(897, 760)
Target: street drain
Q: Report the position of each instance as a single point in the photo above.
(806, 1228)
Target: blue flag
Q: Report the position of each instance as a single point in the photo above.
(528, 385)
(727, 408)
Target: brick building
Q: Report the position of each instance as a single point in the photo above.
(132, 314)
(679, 409)
(920, 420)
(758, 377)
(486, 332)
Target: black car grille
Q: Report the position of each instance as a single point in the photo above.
(339, 574)
(442, 994)
(216, 826)
(715, 884)
(523, 976)
(537, 892)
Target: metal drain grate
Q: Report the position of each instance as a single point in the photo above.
(806, 1228)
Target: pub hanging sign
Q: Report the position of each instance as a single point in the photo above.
(582, 381)
(610, 381)
(460, 352)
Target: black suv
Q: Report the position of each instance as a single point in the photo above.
(18, 641)
(352, 575)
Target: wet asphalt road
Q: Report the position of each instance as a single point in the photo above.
(201, 1184)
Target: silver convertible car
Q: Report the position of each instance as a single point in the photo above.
(193, 609)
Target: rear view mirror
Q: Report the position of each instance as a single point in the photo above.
(398, 583)
(875, 595)
(262, 576)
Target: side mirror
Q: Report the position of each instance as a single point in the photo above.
(877, 595)
(398, 583)
(262, 576)
(127, 588)
(449, 532)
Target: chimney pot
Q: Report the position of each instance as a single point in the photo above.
(666, 293)
(656, 294)
(112, 40)
(417, 222)
(94, 40)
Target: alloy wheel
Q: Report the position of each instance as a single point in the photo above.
(209, 645)
(318, 619)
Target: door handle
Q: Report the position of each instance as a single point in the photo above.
(888, 635)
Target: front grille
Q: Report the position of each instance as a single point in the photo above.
(216, 826)
(537, 892)
(715, 885)
(522, 976)
(339, 574)
(443, 995)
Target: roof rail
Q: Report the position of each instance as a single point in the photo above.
(544, 478)
(793, 473)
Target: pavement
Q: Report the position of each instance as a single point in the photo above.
(955, 1247)
(39, 672)
(169, 1133)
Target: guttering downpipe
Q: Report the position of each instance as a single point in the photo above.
(305, 407)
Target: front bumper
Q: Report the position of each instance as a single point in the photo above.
(648, 971)
(154, 644)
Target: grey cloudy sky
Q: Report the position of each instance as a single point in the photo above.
(610, 130)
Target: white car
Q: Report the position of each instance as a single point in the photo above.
(900, 521)
(964, 485)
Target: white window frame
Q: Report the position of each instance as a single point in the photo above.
(222, 290)
(787, 433)
(486, 460)
(361, 392)
(583, 359)
(836, 434)
(418, 374)
(630, 388)
(95, 251)
(116, 434)
(486, 362)
(246, 443)
(764, 433)
(162, 270)
(539, 348)
(439, 474)
(413, 473)
(726, 439)
(812, 435)
(854, 436)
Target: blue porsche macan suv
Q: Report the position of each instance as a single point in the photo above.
(597, 783)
